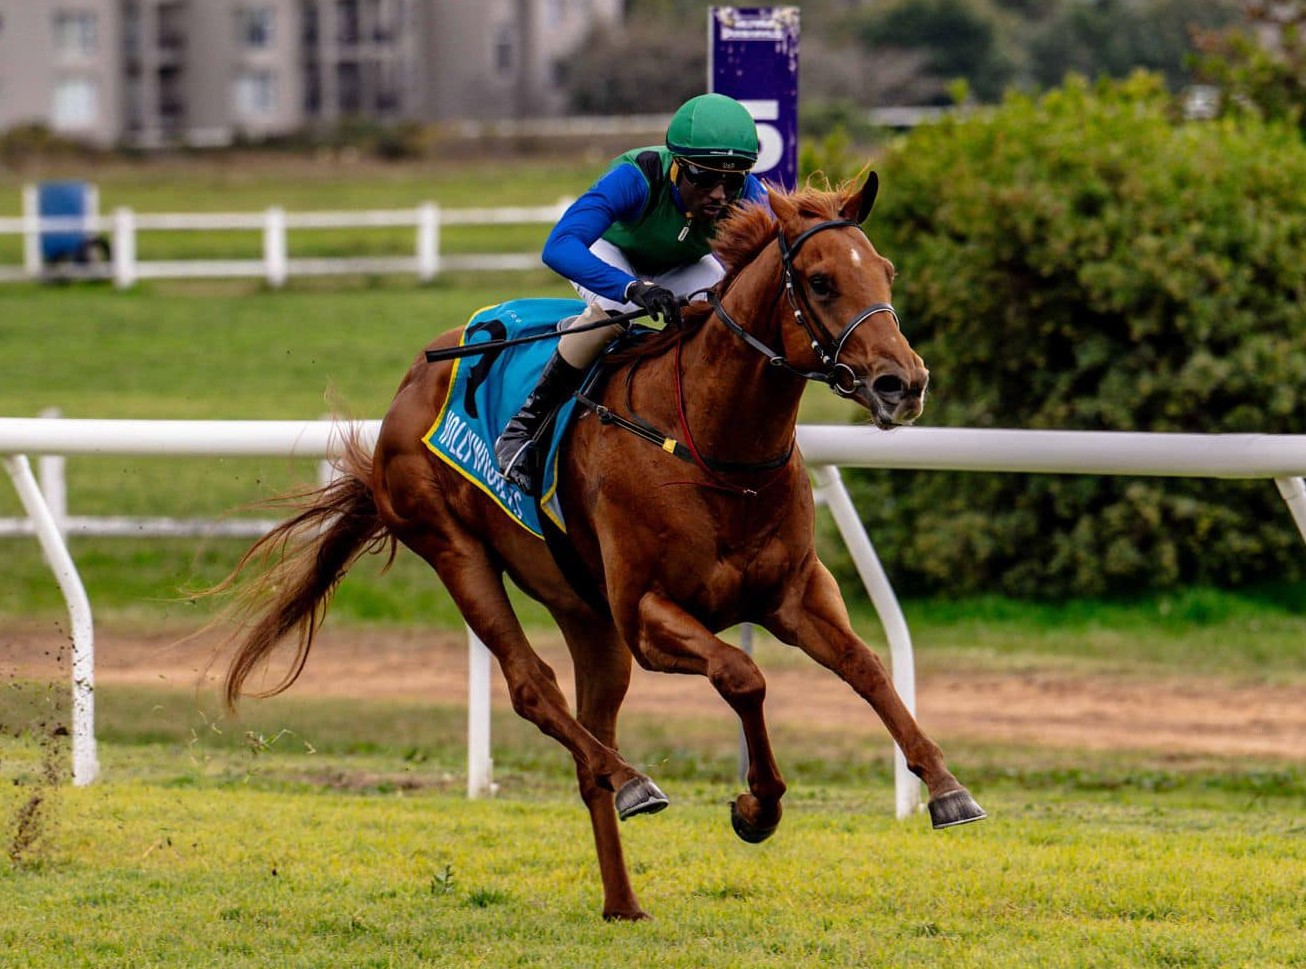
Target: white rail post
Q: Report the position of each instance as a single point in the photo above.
(54, 485)
(480, 767)
(86, 764)
(124, 248)
(906, 786)
(275, 260)
(1293, 491)
(31, 231)
(428, 241)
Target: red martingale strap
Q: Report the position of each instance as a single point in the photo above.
(718, 482)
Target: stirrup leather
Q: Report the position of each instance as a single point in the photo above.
(517, 449)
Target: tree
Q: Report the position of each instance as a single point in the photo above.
(1260, 66)
(956, 38)
(1113, 38)
(646, 67)
(1087, 260)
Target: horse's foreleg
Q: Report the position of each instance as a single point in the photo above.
(815, 619)
(672, 641)
(602, 666)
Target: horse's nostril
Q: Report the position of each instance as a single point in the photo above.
(889, 385)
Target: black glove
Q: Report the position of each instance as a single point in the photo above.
(659, 301)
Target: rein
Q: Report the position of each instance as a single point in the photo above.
(486, 346)
(684, 451)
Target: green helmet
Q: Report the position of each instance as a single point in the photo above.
(715, 130)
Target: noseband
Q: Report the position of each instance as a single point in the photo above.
(840, 377)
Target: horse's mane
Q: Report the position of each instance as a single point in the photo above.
(740, 238)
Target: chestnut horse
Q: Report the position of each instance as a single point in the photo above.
(676, 550)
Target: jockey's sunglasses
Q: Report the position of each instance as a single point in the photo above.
(710, 178)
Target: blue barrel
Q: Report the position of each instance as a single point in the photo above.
(63, 200)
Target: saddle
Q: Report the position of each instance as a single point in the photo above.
(485, 391)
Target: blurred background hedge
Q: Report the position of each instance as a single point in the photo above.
(1088, 260)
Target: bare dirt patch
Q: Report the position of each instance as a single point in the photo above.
(1187, 716)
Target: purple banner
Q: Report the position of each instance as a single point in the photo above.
(753, 58)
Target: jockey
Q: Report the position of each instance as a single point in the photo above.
(639, 238)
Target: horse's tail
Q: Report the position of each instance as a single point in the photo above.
(297, 566)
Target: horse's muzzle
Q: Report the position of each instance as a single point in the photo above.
(892, 399)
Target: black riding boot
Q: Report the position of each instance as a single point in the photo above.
(518, 448)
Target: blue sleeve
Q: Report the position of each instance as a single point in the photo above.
(755, 191)
(619, 196)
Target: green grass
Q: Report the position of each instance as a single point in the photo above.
(249, 879)
(222, 350)
(333, 832)
(237, 874)
(1251, 634)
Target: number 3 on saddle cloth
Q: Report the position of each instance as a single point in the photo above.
(486, 391)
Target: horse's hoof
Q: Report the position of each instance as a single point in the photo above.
(954, 808)
(632, 915)
(753, 834)
(639, 795)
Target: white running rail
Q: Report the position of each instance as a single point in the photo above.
(124, 226)
(825, 448)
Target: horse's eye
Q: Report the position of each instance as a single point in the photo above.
(821, 286)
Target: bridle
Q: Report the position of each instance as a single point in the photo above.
(839, 376)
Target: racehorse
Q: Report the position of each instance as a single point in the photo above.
(671, 551)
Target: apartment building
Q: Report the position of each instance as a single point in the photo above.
(202, 72)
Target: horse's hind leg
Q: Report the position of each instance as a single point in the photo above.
(670, 640)
(816, 620)
(476, 586)
(602, 665)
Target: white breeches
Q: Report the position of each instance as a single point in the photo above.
(581, 349)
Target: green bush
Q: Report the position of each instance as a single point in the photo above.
(1086, 260)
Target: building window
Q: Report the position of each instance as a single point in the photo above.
(256, 95)
(172, 96)
(312, 94)
(76, 104)
(75, 33)
(172, 26)
(309, 20)
(131, 30)
(349, 28)
(504, 48)
(349, 87)
(256, 28)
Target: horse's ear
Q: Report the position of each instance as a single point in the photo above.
(784, 210)
(858, 206)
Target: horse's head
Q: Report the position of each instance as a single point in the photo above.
(838, 293)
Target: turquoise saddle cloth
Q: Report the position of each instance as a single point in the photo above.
(486, 392)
